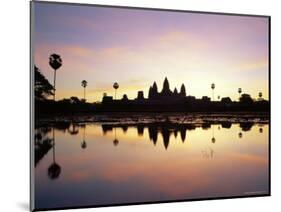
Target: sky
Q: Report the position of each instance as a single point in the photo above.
(137, 47)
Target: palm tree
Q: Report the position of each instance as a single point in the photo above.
(219, 97)
(213, 137)
(240, 135)
(239, 91)
(84, 144)
(213, 87)
(54, 169)
(115, 141)
(115, 86)
(84, 85)
(260, 95)
(55, 62)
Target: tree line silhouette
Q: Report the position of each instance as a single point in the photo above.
(165, 100)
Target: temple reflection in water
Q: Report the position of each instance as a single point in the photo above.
(156, 131)
(75, 158)
(167, 129)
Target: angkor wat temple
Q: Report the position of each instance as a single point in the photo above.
(174, 101)
(166, 92)
(165, 100)
(155, 96)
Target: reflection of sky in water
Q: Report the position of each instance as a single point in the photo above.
(96, 170)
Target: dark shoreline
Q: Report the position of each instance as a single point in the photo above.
(159, 117)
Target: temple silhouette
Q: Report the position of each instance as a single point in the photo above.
(157, 130)
(167, 100)
(156, 100)
(166, 93)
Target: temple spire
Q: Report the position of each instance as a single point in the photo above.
(175, 91)
(166, 87)
(150, 93)
(182, 91)
(154, 87)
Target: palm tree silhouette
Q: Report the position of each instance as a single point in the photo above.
(55, 62)
(240, 134)
(213, 136)
(213, 87)
(84, 144)
(239, 91)
(115, 141)
(84, 85)
(115, 86)
(54, 169)
(260, 95)
(219, 97)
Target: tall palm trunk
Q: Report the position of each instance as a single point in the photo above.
(54, 157)
(84, 133)
(55, 84)
(84, 94)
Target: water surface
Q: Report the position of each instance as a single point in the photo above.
(95, 163)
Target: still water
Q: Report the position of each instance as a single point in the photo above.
(107, 163)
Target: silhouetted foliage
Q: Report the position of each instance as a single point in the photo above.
(54, 171)
(74, 100)
(213, 86)
(42, 143)
(125, 128)
(226, 124)
(115, 86)
(55, 61)
(239, 91)
(226, 100)
(43, 89)
(84, 85)
(246, 126)
(115, 142)
(83, 144)
(125, 97)
(240, 135)
(246, 99)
